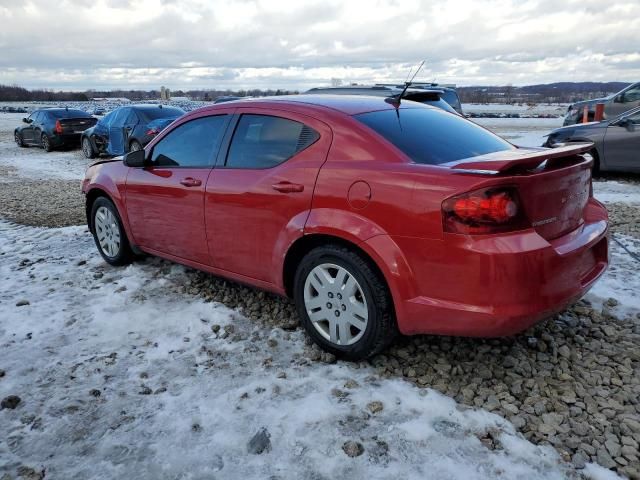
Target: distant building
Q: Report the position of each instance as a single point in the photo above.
(112, 99)
(165, 93)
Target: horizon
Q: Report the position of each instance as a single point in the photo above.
(248, 44)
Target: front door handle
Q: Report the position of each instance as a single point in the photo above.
(191, 182)
(288, 187)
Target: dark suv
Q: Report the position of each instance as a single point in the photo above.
(614, 105)
(429, 96)
(53, 127)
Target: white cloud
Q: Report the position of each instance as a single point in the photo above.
(260, 43)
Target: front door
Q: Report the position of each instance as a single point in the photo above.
(116, 132)
(622, 145)
(27, 130)
(165, 201)
(262, 188)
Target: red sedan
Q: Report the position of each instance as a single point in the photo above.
(375, 217)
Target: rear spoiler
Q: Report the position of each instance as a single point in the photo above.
(521, 158)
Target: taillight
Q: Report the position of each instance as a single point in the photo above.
(484, 211)
(152, 131)
(58, 128)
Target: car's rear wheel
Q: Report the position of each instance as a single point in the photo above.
(135, 146)
(46, 143)
(343, 303)
(18, 138)
(87, 149)
(109, 234)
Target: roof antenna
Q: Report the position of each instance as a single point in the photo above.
(395, 101)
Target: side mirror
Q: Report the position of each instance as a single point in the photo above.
(26, 120)
(619, 98)
(136, 159)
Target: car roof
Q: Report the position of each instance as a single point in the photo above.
(149, 106)
(347, 104)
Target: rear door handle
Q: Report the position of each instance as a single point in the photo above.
(191, 182)
(288, 187)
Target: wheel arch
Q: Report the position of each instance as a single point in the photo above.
(306, 243)
(91, 197)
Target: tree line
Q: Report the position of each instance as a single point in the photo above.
(15, 93)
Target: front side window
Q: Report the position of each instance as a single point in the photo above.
(262, 141)
(119, 117)
(192, 144)
(106, 120)
(432, 136)
(631, 95)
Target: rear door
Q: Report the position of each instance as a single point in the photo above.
(130, 123)
(165, 201)
(262, 188)
(622, 145)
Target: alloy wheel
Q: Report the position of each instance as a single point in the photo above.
(336, 304)
(107, 231)
(45, 143)
(18, 139)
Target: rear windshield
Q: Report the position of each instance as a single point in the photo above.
(451, 98)
(68, 113)
(432, 136)
(164, 112)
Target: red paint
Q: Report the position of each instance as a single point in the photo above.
(599, 116)
(353, 185)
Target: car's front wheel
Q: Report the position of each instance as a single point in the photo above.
(343, 303)
(46, 143)
(87, 149)
(135, 146)
(18, 138)
(109, 234)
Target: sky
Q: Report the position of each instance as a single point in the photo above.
(191, 44)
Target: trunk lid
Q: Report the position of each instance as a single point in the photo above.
(76, 125)
(554, 185)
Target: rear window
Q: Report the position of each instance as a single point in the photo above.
(164, 112)
(432, 136)
(71, 113)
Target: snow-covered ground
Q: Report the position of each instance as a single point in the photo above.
(558, 109)
(524, 132)
(122, 376)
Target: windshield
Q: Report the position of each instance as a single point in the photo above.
(149, 114)
(432, 136)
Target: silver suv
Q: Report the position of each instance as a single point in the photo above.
(614, 105)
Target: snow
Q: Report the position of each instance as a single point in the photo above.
(524, 132)
(611, 191)
(83, 330)
(500, 108)
(621, 281)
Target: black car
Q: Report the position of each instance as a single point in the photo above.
(127, 129)
(53, 127)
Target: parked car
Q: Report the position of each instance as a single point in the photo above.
(431, 97)
(50, 128)
(614, 105)
(616, 142)
(449, 92)
(374, 218)
(127, 129)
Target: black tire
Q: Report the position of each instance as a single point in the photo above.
(46, 143)
(87, 148)
(17, 136)
(135, 146)
(124, 255)
(381, 326)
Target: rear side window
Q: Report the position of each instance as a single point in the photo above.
(192, 144)
(432, 136)
(262, 141)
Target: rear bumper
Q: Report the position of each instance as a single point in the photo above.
(499, 285)
(65, 139)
